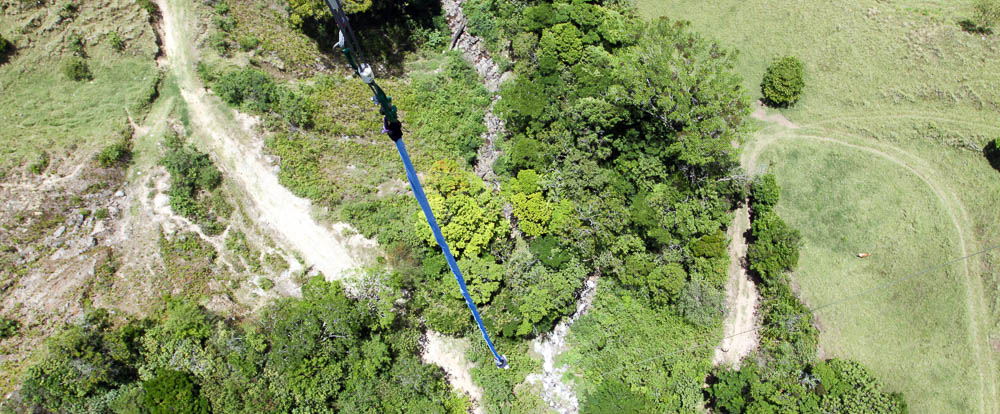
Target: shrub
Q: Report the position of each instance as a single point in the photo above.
(266, 283)
(67, 11)
(783, 82)
(987, 13)
(115, 154)
(8, 328)
(250, 88)
(219, 43)
(248, 43)
(149, 6)
(40, 164)
(101, 213)
(76, 68)
(75, 44)
(764, 194)
(992, 153)
(4, 45)
(115, 41)
(173, 392)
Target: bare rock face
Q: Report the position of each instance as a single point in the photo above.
(474, 51)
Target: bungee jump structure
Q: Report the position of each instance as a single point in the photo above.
(391, 126)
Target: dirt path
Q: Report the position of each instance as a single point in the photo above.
(956, 212)
(237, 151)
(449, 354)
(739, 336)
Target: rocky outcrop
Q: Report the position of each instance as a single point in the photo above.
(474, 51)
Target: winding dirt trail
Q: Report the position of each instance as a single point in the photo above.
(739, 337)
(952, 206)
(237, 152)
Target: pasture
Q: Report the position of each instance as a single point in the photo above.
(898, 104)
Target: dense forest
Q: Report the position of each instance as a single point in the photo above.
(619, 162)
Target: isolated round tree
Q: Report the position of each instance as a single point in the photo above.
(783, 82)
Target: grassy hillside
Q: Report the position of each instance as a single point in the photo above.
(902, 79)
(42, 108)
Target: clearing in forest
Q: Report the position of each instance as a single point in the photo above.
(897, 107)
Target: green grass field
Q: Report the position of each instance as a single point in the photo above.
(42, 109)
(902, 79)
(846, 202)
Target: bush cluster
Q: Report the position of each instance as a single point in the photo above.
(115, 41)
(4, 45)
(76, 68)
(193, 177)
(119, 153)
(255, 90)
(325, 352)
(783, 82)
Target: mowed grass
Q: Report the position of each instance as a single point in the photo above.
(902, 78)
(43, 110)
(914, 332)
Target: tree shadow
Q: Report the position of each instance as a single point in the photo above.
(969, 26)
(386, 31)
(8, 53)
(992, 153)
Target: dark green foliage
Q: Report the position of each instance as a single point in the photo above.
(992, 153)
(250, 88)
(4, 45)
(775, 247)
(764, 194)
(173, 392)
(783, 82)
(9, 327)
(68, 11)
(82, 362)
(117, 154)
(192, 177)
(550, 252)
(115, 41)
(834, 386)
(40, 164)
(76, 68)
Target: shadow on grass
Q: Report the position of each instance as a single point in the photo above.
(8, 53)
(969, 26)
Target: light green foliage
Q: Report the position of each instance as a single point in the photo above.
(237, 243)
(117, 154)
(448, 106)
(563, 41)
(929, 122)
(783, 81)
(76, 68)
(115, 41)
(469, 215)
(987, 13)
(624, 339)
(533, 213)
(317, 10)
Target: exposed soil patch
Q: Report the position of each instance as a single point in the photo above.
(739, 336)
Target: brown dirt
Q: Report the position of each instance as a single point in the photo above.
(739, 335)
